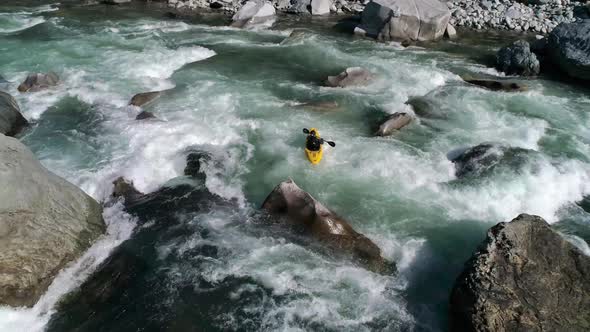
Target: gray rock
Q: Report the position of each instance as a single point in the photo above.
(306, 215)
(38, 81)
(254, 13)
(422, 20)
(145, 115)
(300, 6)
(11, 120)
(355, 76)
(451, 33)
(320, 7)
(568, 47)
(45, 223)
(524, 277)
(393, 123)
(145, 98)
(518, 59)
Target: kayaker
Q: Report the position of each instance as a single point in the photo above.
(312, 142)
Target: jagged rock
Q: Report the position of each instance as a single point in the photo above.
(524, 277)
(145, 115)
(142, 99)
(451, 33)
(300, 6)
(422, 20)
(38, 81)
(11, 120)
(568, 47)
(483, 158)
(517, 59)
(307, 216)
(45, 223)
(320, 7)
(254, 13)
(498, 85)
(193, 164)
(393, 123)
(355, 76)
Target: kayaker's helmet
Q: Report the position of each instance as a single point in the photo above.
(312, 133)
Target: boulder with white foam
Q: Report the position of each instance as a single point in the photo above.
(422, 20)
(45, 223)
(38, 81)
(306, 215)
(354, 76)
(320, 7)
(254, 14)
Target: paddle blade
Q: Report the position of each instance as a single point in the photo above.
(332, 144)
(305, 131)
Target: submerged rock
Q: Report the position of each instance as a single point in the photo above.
(422, 20)
(393, 123)
(524, 277)
(354, 76)
(142, 99)
(322, 106)
(498, 85)
(145, 115)
(254, 13)
(45, 223)
(568, 46)
(478, 160)
(517, 59)
(38, 81)
(307, 216)
(11, 120)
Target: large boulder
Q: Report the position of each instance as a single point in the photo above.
(320, 7)
(524, 277)
(308, 216)
(568, 46)
(393, 123)
(38, 81)
(354, 76)
(11, 120)
(422, 20)
(486, 158)
(45, 223)
(254, 13)
(517, 59)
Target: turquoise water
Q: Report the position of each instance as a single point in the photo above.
(238, 95)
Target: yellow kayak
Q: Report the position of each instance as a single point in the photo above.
(315, 156)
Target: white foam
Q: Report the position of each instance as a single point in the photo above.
(119, 228)
(13, 23)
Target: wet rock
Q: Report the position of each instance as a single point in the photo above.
(451, 33)
(481, 159)
(524, 277)
(38, 81)
(517, 59)
(568, 47)
(115, 2)
(45, 223)
(498, 85)
(194, 161)
(320, 7)
(307, 216)
(355, 76)
(145, 115)
(254, 13)
(11, 120)
(142, 99)
(393, 123)
(300, 7)
(422, 20)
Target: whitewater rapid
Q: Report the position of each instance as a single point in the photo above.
(234, 95)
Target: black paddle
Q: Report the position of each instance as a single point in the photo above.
(332, 144)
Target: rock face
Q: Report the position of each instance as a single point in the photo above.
(422, 20)
(145, 98)
(254, 14)
(355, 76)
(320, 7)
(517, 59)
(11, 120)
(497, 85)
(393, 123)
(524, 277)
(308, 216)
(568, 46)
(38, 81)
(45, 222)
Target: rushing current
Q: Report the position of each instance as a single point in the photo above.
(240, 97)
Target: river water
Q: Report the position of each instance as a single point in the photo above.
(238, 96)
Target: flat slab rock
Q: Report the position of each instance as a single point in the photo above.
(524, 277)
